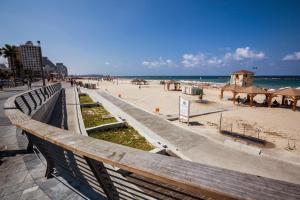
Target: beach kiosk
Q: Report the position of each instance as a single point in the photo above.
(243, 78)
(191, 89)
(177, 86)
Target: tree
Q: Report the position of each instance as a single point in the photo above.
(10, 52)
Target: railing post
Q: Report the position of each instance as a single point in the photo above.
(27, 104)
(41, 147)
(46, 93)
(37, 94)
(103, 178)
(33, 100)
(29, 145)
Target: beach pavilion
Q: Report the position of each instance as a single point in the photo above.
(252, 91)
(139, 82)
(231, 88)
(292, 93)
(172, 82)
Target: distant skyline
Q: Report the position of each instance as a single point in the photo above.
(159, 37)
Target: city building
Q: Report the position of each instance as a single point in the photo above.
(242, 78)
(49, 66)
(30, 58)
(62, 69)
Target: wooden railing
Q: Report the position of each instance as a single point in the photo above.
(103, 169)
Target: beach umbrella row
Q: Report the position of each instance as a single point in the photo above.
(293, 93)
(252, 91)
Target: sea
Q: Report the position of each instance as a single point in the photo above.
(260, 81)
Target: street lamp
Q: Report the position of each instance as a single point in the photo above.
(41, 60)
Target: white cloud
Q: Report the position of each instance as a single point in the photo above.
(293, 56)
(238, 55)
(200, 59)
(159, 63)
(244, 53)
(190, 60)
(215, 61)
(111, 65)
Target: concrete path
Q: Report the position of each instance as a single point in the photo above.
(22, 173)
(206, 112)
(201, 149)
(74, 117)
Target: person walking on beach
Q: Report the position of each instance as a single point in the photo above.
(1, 85)
(29, 84)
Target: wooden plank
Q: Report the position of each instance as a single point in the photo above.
(103, 178)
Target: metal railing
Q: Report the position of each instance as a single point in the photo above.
(101, 169)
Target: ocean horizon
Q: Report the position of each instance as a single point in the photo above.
(260, 81)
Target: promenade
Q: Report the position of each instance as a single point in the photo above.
(21, 172)
(199, 148)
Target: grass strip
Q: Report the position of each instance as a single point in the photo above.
(95, 116)
(85, 99)
(127, 136)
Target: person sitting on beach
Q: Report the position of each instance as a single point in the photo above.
(238, 99)
(275, 103)
(286, 102)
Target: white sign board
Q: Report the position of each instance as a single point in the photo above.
(184, 109)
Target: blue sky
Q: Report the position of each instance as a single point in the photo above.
(159, 37)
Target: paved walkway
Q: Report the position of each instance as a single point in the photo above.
(22, 173)
(73, 112)
(201, 149)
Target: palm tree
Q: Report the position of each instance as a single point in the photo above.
(10, 52)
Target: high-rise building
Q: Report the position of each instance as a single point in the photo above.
(30, 58)
(62, 69)
(49, 66)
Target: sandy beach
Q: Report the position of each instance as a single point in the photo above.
(277, 126)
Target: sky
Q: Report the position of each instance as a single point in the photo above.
(159, 37)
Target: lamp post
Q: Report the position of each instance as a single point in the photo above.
(41, 60)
